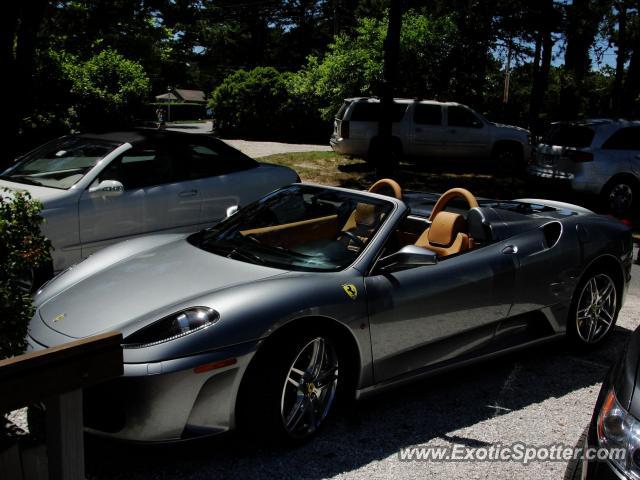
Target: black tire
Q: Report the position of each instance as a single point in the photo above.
(508, 159)
(261, 416)
(589, 321)
(574, 467)
(621, 195)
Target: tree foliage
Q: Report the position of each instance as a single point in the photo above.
(353, 64)
(108, 89)
(23, 250)
(454, 49)
(256, 103)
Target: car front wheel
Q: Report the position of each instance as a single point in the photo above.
(594, 309)
(297, 383)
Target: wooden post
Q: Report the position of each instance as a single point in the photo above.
(57, 376)
(65, 436)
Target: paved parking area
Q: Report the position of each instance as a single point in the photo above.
(540, 396)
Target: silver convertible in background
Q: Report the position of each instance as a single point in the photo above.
(313, 294)
(99, 189)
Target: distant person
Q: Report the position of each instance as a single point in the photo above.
(161, 117)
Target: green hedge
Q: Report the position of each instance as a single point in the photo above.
(23, 250)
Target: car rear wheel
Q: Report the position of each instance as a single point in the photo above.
(620, 195)
(297, 382)
(594, 309)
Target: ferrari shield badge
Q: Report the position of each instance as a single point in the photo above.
(351, 290)
(59, 318)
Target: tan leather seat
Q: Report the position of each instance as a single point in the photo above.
(364, 217)
(446, 235)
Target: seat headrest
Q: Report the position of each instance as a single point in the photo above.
(445, 228)
(365, 214)
(480, 221)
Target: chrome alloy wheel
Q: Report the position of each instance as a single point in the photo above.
(621, 197)
(596, 308)
(310, 388)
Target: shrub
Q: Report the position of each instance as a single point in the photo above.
(254, 103)
(23, 250)
(109, 89)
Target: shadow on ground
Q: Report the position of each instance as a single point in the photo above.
(379, 427)
(439, 175)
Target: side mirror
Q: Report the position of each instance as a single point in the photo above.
(232, 210)
(407, 256)
(107, 188)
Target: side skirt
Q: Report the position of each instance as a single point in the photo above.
(435, 370)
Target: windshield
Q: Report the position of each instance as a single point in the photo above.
(300, 228)
(59, 164)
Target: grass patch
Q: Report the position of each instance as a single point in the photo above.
(329, 168)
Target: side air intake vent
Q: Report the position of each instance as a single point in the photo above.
(552, 232)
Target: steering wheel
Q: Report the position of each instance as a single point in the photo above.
(391, 186)
(449, 195)
(352, 236)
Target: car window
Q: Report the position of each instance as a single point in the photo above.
(202, 158)
(624, 139)
(567, 135)
(299, 227)
(370, 112)
(461, 117)
(427, 114)
(142, 166)
(342, 109)
(61, 163)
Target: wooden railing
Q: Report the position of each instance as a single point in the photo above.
(56, 376)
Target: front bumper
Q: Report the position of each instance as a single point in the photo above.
(171, 400)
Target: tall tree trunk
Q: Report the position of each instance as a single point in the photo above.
(541, 65)
(385, 160)
(632, 82)
(9, 117)
(583, 20)
(19, 27)
(541, 82)
(621, 57)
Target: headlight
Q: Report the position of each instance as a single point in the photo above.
(618, 429)
(172, 327)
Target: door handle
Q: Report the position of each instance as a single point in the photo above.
(510, 249)
(188, 193)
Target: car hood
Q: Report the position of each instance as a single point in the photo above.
(44, 194)
(143, 287)
(512, 127)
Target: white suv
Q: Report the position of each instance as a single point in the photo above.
(424, 128)
(597, 156)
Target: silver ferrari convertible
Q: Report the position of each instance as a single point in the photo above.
(314, 295)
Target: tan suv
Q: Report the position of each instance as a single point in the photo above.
(426, 128)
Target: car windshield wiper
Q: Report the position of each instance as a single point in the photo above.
(231, 251)
(247, 255)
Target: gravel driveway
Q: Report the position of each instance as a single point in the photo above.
(540, 396)
(253, 148)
